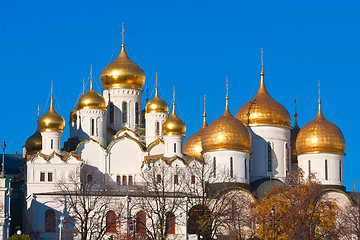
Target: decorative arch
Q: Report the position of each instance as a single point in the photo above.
(170, 223)
(111, 221)
(141, 222)
(50, 221)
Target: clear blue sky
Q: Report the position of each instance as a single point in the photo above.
(192, 45)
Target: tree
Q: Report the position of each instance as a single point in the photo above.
(296, 210)
(88, 202)
(19, 237)
(349, 222)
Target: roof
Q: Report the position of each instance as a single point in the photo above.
(13, 163)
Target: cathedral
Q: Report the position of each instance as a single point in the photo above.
(120, 139)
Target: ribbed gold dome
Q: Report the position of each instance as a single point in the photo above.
(122, 73)
(34, 143)
(91, 100)
(156, 104)
(51, 121)
(320, 135)
(228, 133)
(173, 125)
(73, 115)
(263, 110)
(192, 146)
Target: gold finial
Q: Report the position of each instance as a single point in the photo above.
(262, 61)
(227, 94)
(51, 89)
(296, 115)
(91, 81)
(204, 115)
(319, 101)
(156, 81)
(173, 95)
(122, 35)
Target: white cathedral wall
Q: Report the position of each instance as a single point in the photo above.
(51, 142)
(315, 163)
(221, 161)
(151, 120)
(117, 96)
(93, 154)
(279, 138)
(84, 127)
(173, 145)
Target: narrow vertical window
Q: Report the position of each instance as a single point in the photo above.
(137, 113)
(92, 127)
(309, 167)
(176, 179)
(269, 160)
(174, 147)
(130, 180)
(158, 178)
(51, 144)
(326, 169)
(245, 164)
(192, 179)
(118, 180)
(157, 128)
(287, 157)
(42, 177)
(124, 180)
(111, 112)
(340, 171)
(124, 112)
(50, 177)
(214, 167)
(231, 167)
(50, 221)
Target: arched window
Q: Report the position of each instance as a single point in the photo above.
(50, 221)
(170, 223)
(111, 222)
(192, 179)
(214, 167)
(111, 112)
(340, 171)
(137, 113)
(326, 169)
(199, 221)
(174, 147)
(130, 180)
(124, 182)
(118, 180)
(141, 222)
(51, 144)
(231, 167)
(157, 128)
(287, 157)
(269, 160)
(245, 166)
(309, 167)
(92, 127)
(124, 112)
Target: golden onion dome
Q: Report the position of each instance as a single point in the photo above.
(51, 121)
(156, 104)
(173, 125)
(122, 73)
(73, 114)
(192, 146)
(34, 143)
(263, 110)
(320, 135)
(226, 133)
(91, 100)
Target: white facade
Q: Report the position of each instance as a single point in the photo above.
(153, 125)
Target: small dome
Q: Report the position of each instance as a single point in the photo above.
(157, 104)
(173, 125)
(34, 143)
(51, 121)
(122, 73)
(73, 114)
(91, 100)
(226, 132)
(263, 110)
(320, 135)
(192, 146)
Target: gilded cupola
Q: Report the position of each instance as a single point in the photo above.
(73, 114)
(122, 73)
(91, 100)
(51, 121)
(226, 133)
(192, 146)
(320, 135)
(156, 104)
(173, 125)
(34, 143)
(263, 110)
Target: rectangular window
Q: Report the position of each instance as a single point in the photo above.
(137, 113)
(92, 127)
(269, 160)
(192, 179)
(124, 112)
(111, 112)
(246, 174)
(51, 144)
(174, 147)
(176, 179)
(42, 177)
(340, 171)
(157, 128)
(50, 177)
(231, 168)
(326, 169)
(309, 167)
(158, 178)
(214, 167)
